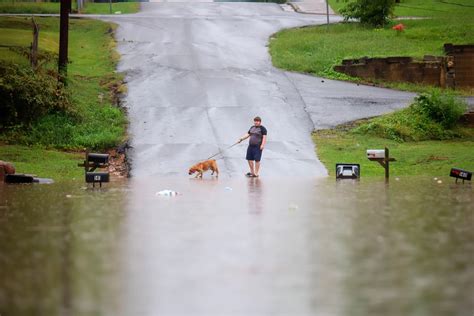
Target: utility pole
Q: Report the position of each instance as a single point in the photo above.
(63, 39)
(327, 13)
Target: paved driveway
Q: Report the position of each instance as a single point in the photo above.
(198, 73)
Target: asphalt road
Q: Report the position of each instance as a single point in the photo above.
(198, 73)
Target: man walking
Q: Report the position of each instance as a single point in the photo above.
(258, 139)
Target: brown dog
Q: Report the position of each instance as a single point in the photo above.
(203, 166)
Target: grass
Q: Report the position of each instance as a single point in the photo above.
(426, 139)
(316, 50)
(423, 8)
(99, 123)
(44, 163)
(91, 75)
(53, 7)
(426, 158)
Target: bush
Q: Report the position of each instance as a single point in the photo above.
(432, 116)
(371, 12)
(445, 108)
(26, 95)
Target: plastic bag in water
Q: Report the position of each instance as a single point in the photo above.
(166, 193)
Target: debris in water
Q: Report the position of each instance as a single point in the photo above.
(166, 193)
(293, 207)
(439, 181)
(68, 196)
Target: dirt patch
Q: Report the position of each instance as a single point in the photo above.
(118, 165)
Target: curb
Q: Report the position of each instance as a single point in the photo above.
(297, 9)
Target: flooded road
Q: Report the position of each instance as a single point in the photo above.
(238, 247)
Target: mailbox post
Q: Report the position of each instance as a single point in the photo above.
(92, 162)
(382, 156)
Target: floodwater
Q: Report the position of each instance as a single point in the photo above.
(238, 247)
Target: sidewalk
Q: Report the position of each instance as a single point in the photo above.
(311, 6)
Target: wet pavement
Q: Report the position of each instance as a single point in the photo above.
(238, 247)
(197, 75)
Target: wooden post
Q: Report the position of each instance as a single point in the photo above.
(34, 45)
(63, 39)
(384, 162)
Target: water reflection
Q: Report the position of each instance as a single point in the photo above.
(242, 247)
(56, 249)
(411, 250)
(254, 196)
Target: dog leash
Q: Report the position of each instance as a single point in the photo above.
(220, 152)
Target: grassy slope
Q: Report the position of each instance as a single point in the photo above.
(50, 7)
(44, 163)
(423, 8)
(304, 53)
(91, 69)
(433, 158)
(315, 50)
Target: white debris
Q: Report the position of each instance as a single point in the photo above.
(166, 193)
(439, 181)
(118, 12)
(293, 207)
(228, 188)
(68, 196)
(436, 179)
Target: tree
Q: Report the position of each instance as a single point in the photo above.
(371, 12)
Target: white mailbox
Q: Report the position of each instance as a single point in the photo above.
(375, 153)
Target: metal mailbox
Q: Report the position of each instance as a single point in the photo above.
(460, 174)
(92, 162)
(347, 171)
(97, 177)
(376, 153)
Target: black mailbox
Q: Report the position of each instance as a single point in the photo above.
(347, 171)
(97, 177)
(99, 159)
(19, 178)
(92, 162)
(460, 174)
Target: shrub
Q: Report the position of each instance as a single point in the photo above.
(26, 95)
(444, 108)
(432, 116)
(371, 12)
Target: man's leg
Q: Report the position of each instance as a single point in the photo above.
(251, 166)
(257, 167)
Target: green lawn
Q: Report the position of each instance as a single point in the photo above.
(427, 158)
(43, 163)
(424, 8)
(316, 50)
(53, 7)
(98, 123)
(91, 73)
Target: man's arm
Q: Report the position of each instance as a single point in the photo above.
(264, 141)
(244, 137)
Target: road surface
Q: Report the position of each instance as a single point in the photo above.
(198, 73)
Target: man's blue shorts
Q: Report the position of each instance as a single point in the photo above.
(254, 153)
